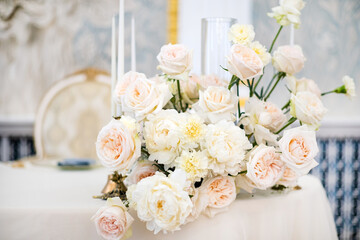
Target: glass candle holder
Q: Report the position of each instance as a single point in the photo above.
(215, 46)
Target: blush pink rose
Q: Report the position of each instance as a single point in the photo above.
(142, 169)
(265, 167)
(289, 59)
(289, 178)
(175, 59)
(112, 221)
(124, 83)
(244, 63)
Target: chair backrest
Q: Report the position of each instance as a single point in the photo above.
(71, 114)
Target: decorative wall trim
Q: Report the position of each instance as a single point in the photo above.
(172, 21)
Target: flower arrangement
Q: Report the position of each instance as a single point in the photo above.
(184, 147)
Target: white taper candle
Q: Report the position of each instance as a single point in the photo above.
(121, 41)
(133, 45)
(113, 66)
(291, 34)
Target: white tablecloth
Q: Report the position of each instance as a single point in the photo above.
(47, 203)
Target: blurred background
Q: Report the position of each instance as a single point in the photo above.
(44, 41)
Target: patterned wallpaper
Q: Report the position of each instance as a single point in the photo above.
(330, 37)
(41, 41)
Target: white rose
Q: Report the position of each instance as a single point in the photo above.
(221, 192)
(175, 59)
(200, 200)
(261, 51)
(226, 145)
(299, 148)
(112, 222)
(194, 164)
(162, 202)
(289, 178)
(244, 63)
(142, 169)
(288, 59)
(216, 103)
(288, 12)
(212, 80)
(144, 97)
(124, 83)
(308, 108)
(241, 33)
(264, 167)
(162, 138)
(303, 84)
(118, 145)
(190, 89)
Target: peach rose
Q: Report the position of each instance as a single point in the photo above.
(118, 145)
(124, 83)
(221, 192)
(112, 221)
(289, 178)
(288, 59)
(216, 103)
(142, 169)
(175, 59)
(244, 63)
(265, 167)
(299, 148)
(145, 96)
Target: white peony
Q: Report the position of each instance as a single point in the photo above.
(191, 130)
(216, 103)
(308, 108)
(261, 51)
(226, 145)
(145, 96)
(299, 148)
(264, 167)
(288, 12)
(162, 138)
(118, 145)
(162, 202)
(195, 164)
(241, 33)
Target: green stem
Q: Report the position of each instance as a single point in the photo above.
(286, 105)
(325, 93)
(237, 93)
(272, 89)
(291, 120)
(259, 79)
(273, 42)
(269, 85)
(179, 92)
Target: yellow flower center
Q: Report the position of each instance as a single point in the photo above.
(193, 129)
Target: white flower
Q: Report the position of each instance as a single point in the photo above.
(244, 62)
(216, 103)
(124, 83)
(200, 200)
(264, 167)
(349, 86)
(142, 169)
(192, 130)
(289, 59)
(288, 12)
(112, 221)
(301, 85)
(261, 52)
(308, 108)
(226, 145)
(162, 202)
(145, 96)
(194, 163)
(118, 145)
(162, 138)
(206, 81)
(299, 148)
(175, 59)
(241, 33)
(190, 90)
(289, 178)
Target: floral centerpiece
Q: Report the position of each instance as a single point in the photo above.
(184, 147)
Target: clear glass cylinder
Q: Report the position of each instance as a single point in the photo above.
(215, 45)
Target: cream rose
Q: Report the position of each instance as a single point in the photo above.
(112, 221)
(289, 178)
(241, 33)
(215, 104)
(212, 80)
(299, 148)
(190, 89)
(118, 145)
(144, 97)
(264, 167)
(226, 145)
(142, 169)
(221, 192)
(175, 59)
(124, 83)
(162, 138)
(289, 59)
(308, 108)
(244, 63)
(162, 202)
(303, 84)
